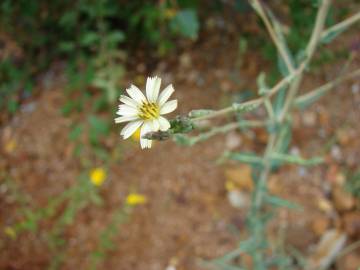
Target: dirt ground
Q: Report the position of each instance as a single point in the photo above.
(188, 216)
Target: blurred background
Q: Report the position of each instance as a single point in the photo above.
(66, 174)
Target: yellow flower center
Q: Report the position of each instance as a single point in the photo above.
(97, 176)
(149, 111)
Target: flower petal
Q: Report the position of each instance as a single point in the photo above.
(153, 88)
(165, 95)
(136, 94)
(164, 123)
(130, 128)
(168, 107)
(122, 119)
(155, 125)
(126, 110)
(129, 101)
(146, 127)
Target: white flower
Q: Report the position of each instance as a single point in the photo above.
(145, 112)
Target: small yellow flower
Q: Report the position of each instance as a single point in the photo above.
(135, 199)
(10, 146)
(136, 135)
(9, 231)
(97, 176)
(229, 185)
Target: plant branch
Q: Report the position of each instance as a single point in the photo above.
(310, 49)
(285, 81)
(341, 26)
(278, 43)
(320, 91)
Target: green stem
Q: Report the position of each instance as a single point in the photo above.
(279, 45)
(282, 83)
(320, 91)
(342, 25)
(310, 50)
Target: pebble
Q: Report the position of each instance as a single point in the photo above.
(320, 225)
(233, 140)
(330, 244)
(352, 224)
(343, 200)
(355, 88)
(239, 199)
(309, 118)
(336, 152)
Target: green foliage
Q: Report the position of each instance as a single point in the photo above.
(186, 23)
(91, 36)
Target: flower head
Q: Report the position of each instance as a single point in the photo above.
(97, 176)
(135, 199)
(9, 231)
(145, 112)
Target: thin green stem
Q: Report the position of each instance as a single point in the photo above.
(261, 190)
(320, 91)
(226, 128)
(282, 83)
(278, 43)
(341, 25)
(310, 50)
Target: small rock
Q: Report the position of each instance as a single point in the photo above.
(355, 88)
(225, 86)
(352, 224)
(344, 136)
(29, 107)
(239, 199)
(295, 151)
(329, 246)
(320, 225)
(343, 200)
(233, 140)
(325, 205)
(336, 153)
(309, 118)
(185, 60)
(240, 177)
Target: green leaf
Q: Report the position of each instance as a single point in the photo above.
(306, 100)
(284, 71)
(89, 38)
(199, 113)
(279, 101)
(181, 124)
(99, 125)
(329, 36)
(287, 158)
(182, 139)
(279, 202)
(186, 23)
(261, 83)
(116, 37)
(75, 132)
(285, 134)
(241, 107)
(249, 158)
